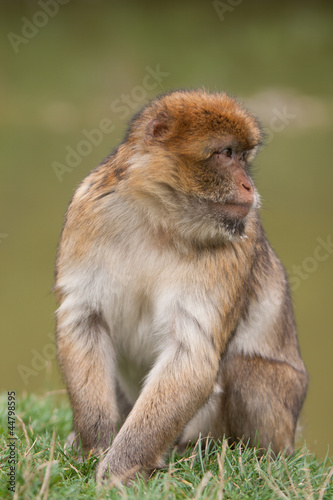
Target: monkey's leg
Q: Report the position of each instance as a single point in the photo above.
(179, 383)
(87, 361)
(261, 401)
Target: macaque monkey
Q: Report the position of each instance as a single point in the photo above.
(175, 315)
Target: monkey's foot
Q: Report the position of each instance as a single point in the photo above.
(113, 470)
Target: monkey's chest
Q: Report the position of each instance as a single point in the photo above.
(131, 324)
(135, 347)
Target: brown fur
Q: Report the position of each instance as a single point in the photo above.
(175, 316)
(261, 401)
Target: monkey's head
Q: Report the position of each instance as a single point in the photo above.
(191, 164)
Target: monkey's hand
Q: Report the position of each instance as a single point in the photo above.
(177, 386)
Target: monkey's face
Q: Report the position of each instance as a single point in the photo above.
(214, 189)
(202, 145)
(222, 184)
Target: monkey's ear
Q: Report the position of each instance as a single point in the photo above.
(158, 128)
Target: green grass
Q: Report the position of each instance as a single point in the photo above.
(47, 467)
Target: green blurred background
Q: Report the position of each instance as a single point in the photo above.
(66, 68)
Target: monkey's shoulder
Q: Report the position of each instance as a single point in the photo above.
(100, 182)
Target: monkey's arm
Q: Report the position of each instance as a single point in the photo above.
(87, 359)
(179, 383)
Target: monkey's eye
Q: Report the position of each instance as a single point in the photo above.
(227, 152)
(244, 156)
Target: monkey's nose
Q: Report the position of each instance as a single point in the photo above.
(246, 194)
(247, 186)
(245, 189)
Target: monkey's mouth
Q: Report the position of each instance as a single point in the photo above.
(231, 209)
(237, 210)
